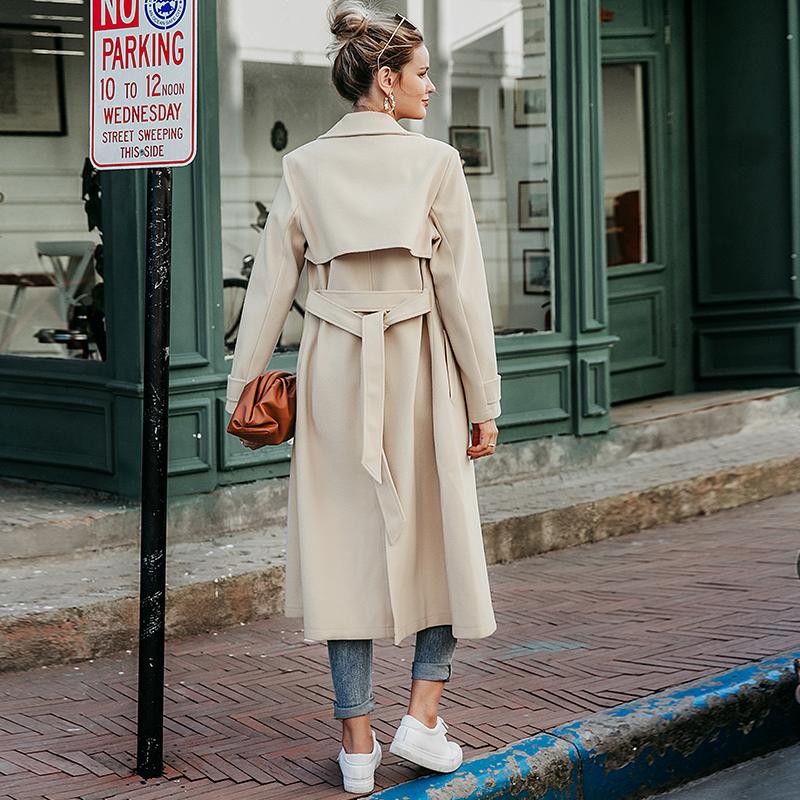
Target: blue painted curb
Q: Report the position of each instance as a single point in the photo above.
(637, 748)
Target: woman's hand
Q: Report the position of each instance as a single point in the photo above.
(484, 437)
(250, 445)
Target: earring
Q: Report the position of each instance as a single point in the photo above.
(389, 103)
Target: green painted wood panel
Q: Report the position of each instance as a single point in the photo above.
(83, 426)
(578, 192)
(742, 134)
(768, 349)
(747, 192)
(649, 301)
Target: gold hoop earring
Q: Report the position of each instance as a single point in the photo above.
(389, 103)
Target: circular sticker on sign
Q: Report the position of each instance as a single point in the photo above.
(164, 13)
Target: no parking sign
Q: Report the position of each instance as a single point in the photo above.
(143, 83)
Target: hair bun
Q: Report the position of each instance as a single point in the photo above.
(361, 33)
(348, 19)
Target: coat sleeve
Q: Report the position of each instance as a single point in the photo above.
(459, 278)
(279, 261)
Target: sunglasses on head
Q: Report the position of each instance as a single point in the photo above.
(408, 22)
(402, 20)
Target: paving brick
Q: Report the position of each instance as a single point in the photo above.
(579, 630)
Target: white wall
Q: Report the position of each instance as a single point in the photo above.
(41, 186)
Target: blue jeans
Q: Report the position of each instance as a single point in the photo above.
(351, 667)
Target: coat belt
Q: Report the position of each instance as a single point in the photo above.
(382, 309)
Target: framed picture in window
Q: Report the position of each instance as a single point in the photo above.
(474, 142)
(534, 205)
(536, 271)
(31, 83)
(534, 27)
(530, 101)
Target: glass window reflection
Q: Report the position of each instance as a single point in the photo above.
(51, 266)
(490, 61)
(624, 164)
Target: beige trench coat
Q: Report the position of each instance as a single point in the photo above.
(397, 354)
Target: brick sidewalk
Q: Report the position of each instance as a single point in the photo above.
(249, 710)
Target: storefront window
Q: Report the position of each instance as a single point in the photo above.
(490, 62)
(624, 160)
(51, 270)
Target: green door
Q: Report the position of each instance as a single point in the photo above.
(646, 246)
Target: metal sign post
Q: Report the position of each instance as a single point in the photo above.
(153, 568)
(143, 115)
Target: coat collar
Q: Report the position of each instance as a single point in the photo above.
(359, 123)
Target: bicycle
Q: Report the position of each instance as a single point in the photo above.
(235, 288)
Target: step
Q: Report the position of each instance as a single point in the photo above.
(41, 519)
(523, 516)
(663, 472)
(59, 609)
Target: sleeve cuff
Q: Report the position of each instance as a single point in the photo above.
(491, 389)
(491, 406)
(234, 391)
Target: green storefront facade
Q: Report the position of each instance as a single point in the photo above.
(673, 220)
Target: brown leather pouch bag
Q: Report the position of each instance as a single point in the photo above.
(266, 409)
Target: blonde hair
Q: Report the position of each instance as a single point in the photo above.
(361, 32)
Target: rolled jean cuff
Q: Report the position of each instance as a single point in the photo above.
(342, 712)
(426, 671)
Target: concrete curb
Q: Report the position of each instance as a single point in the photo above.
(636, 749)
(98, 629)
(523, 535)
(105, 627)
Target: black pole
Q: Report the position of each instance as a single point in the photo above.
(152, 584)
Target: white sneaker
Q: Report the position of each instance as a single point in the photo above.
(358, 769)
(426, 746)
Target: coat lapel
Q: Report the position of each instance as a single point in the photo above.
(361, 123)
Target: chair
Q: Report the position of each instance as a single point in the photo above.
(73, 270)
(74, 278)
(625, 235)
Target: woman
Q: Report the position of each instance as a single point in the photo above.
(396, 360)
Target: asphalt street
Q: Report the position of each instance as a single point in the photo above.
(772, 777)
